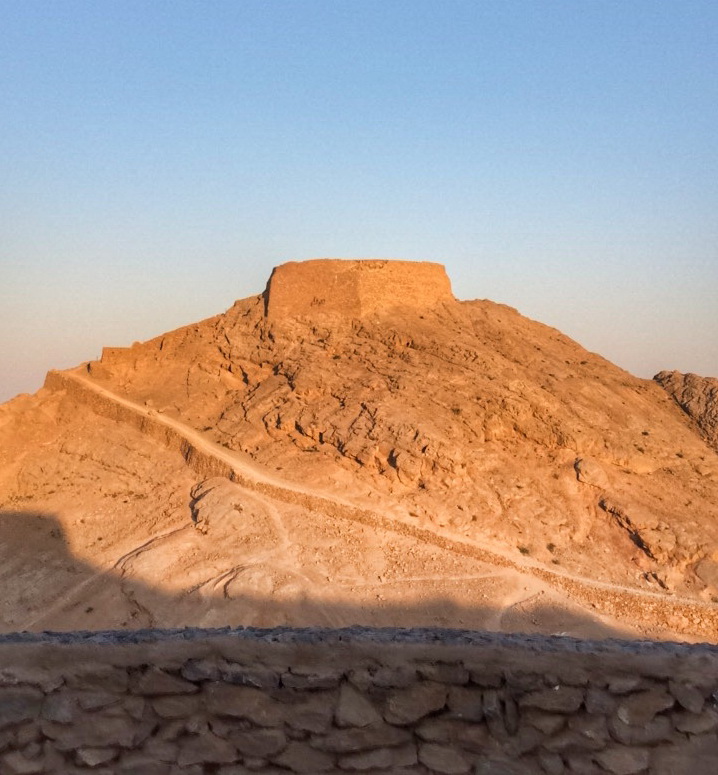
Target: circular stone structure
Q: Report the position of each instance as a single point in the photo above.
(353, 288)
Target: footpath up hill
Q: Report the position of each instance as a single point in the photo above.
(368, 382)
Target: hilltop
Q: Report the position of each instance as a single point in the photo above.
(392, 455)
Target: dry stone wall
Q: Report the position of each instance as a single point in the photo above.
(353, 701)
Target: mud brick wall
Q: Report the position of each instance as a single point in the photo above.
(353, 288)
(353, 701)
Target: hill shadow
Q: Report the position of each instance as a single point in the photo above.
(47, 587)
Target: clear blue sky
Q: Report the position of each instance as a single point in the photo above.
(158, 158)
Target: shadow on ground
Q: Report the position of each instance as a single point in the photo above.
(47, 587)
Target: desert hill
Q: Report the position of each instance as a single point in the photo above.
(356, 445)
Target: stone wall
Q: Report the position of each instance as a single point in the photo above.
(111, 355)
(353, 701)
(352, 289)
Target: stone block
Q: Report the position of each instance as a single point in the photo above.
(525, 740)
(192, 769)
(354, 709)
(154, 682)
(198, 670)
(134, 706)
(318, 679)
(557, 699)
(623, 760)
(583, 764)
(314, 714)
(206, 749)
(689, 697)
(486, 678)
(519, 681)
(239, 769)
(100, 678)
(94, 731)
(497, 764)
(35, 677)
(641, 707)
(142, 764)
(261, 743)
(7, 738)
(171, 730)
(624, 684)
(386, 759)
(19, 704)
(551, 763)
(465, 703)
(443, 759)
(60, 708)
(568, 740)
(548, 723)
(654, 731)
(591, 726)
(474, 738)
(161, 750)
(696, 723)
(176, 705)
(31, 750)
(94, 757)
(243, 702)
(96, 700)
(300, 757)
(600, 701)
(405, 706)
(445, 673)
(361, 739)
(695, 755)
(440, 729)
(394, 677)
(243, 675)
(500, 711)
(14, 763)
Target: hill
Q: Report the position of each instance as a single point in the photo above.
(355, 445)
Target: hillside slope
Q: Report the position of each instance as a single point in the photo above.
(461, 418)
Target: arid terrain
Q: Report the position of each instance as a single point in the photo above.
(355, 445)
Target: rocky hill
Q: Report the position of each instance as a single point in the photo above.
(391, 456)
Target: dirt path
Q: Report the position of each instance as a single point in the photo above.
(641, 607)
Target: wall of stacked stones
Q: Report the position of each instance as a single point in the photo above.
(353, 701)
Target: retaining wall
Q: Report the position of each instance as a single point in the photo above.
(353, 701)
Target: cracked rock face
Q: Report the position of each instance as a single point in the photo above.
(697, 396)
(463, 419)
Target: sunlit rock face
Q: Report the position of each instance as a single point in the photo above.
(353, 288)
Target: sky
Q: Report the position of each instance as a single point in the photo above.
(157, 159)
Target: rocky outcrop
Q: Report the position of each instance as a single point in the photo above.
(697, 396)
